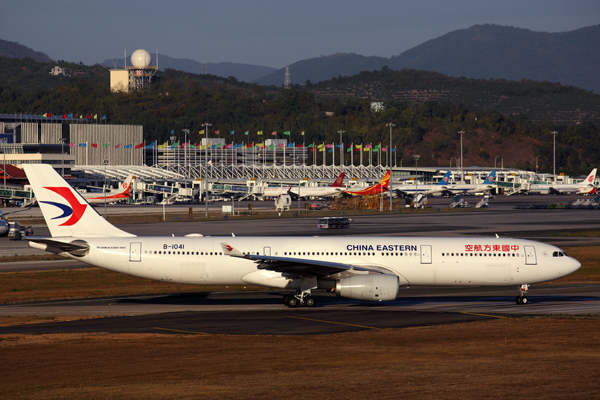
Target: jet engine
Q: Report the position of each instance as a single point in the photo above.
(374, 287)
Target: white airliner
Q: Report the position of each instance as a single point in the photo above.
(466, 188)
(112, 196)
(307, 191)
(363, 268)
(584, 187)
(426, 189)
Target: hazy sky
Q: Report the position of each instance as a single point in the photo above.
(266, 32)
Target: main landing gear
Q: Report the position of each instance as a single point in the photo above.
(521, 299)
(299, 299)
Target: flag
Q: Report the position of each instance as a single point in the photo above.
(95, 116)
(270, 147)
(338, 146)
(172, 131)
(232, 132)
(201, 132)
(367, 149)
(95, 145)
(357, 149)
(281, 145)
(117, 146)
(161, 146)
(104, 117)
(192, 146)
(291, 145)
(274, 133)
(359, 146)
(320, 146)
(259, 133)
(246, 133)
(71, 144)
(349, 149)
(368, 146)
(329, 146)
(70, 115)
(302, 133)
(128, 146)
(300, 145)
(107, 145)
(394, 150)
(311, 145)
(216, 132)
(165, 144)
(260, 145)
(89, 116)
(384, 149)
(287, 133)
(64, 115)
(82, 144)
(139, 146)
(321, 149)
(313, 149)
(151, 145)
(45, 115)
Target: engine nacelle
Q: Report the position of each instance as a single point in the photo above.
(380, 287)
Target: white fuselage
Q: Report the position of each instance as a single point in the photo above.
(417, 261)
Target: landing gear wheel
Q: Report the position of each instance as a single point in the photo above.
(524, 300)
(286, 297)
(518, 299)
(310, 301)
(292, 302)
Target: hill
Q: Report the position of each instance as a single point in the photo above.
(481, 51)
(324, 68)
(486, 51)
(16, 50)
(538, 100)
(242, 72)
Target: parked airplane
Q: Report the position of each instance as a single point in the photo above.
(307, 191)
(379, 188)
(4, 223)
(585, 187)
(113, 195)
(413, 189)
(464, 188)
(362, 268)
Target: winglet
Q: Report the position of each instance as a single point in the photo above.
(231, 251)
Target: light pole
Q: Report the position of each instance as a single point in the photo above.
(461, 155)
(105, 164)
(391, 125)
(536, 164)
(341, 148)
(4, 157)
(62, 152)
(416, 157)
(554, 168)
(495, 161)
(185, 132)
(454, 158)
(206, 125)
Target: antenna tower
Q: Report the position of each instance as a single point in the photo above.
(287, 83)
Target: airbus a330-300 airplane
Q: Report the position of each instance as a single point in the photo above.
(363, 268)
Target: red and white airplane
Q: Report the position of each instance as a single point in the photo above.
(123, 192)
(381, 187)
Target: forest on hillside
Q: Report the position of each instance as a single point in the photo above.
(177, 101)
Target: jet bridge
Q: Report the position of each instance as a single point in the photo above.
(24, 195)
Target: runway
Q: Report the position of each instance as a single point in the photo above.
(262, 313)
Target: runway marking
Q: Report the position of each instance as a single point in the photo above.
(333, 322)
(483, 315)
(178, 330)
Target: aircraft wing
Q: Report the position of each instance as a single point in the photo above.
(15, 211)
(301, 266)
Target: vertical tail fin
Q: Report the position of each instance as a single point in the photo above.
(445, 179)
(386, 178)
(590, 178)
(339, 181)
(66, 212)
(490, 179)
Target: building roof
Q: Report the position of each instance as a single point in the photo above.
(13, 172)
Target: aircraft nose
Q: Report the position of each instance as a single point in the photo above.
(574, 265)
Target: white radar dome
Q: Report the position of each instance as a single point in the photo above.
(141, 59)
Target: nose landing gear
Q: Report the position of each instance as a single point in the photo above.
(521, 299)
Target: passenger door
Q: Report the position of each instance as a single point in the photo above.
(135, 251)
(425, 254)
(530, 258)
